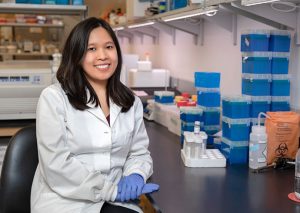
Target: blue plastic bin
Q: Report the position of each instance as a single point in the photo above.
(280, 103)
(236, 129)
(208, 97)
(236, 106)
(257, 62)
(165, 97)
(235, 152)
(211, 115)
(35, 1)
(191, 114)
(207, 79)
(22, 1)
(280, 85)
(255, 40)
(176, 4)
(280, 63)
(77, 2)
(256, 84)
(260, 104)
(280, 41)
(63, 2)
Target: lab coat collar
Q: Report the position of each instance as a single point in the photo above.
(114, 111)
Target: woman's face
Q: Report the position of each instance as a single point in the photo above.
(101, 58)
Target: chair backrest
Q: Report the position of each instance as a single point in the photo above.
(19, 165)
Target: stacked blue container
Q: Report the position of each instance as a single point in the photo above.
(188, 116)
(280, 88)
(256, 69)
(209, 99)
(236, 128)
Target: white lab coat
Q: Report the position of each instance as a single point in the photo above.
(82, 158)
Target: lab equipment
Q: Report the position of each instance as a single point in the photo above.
(297, 175)
(236, 106)
(153, 78)
(21, 83)
(236, 152)
(256, 62)
(258, 145)
(280, 63)
(208, 97)
(130, 187)
(207, 79)
(256, 84)
(280, 85)
(280, 103)
(165, 97)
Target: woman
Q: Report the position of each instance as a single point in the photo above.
(92, 142)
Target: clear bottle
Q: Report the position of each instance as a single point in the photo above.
(297, 175)
(258, 147)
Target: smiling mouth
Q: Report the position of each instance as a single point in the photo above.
(102, 66)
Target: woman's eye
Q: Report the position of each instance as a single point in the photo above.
(91, 48)
(110, 47)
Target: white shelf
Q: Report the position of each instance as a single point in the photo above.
(27, 54)
(30, 25)
(43, 9)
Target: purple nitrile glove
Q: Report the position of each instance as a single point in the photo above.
(150, 187)
(130, 187)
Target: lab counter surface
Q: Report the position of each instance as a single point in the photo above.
(214, 190)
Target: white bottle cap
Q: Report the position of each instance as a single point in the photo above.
(256, 129)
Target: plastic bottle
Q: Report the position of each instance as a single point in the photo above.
(297, 175)
(258, 145)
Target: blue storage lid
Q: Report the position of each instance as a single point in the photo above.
(235, 143)
(191, 110)
(209, 109)
(257, 55)
(254, 121)
(281, 77)
(281, 99)
(237, 98)
(236, 121)
(164, 93)
(205, 89)
(256, 32)
(211, 127)
(257, 76)
(280, 32)
(261, 99)
(281, 55)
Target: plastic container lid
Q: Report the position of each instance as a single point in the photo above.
(235, 143)
(281, 55)
(281, 77)
(191, 110)
(256, 31)
(212, 127)
(237, 98)
(236, 121)
(205, 89)
(257, 54)
(209, 109)
(280, 32)
(257, 76)
(281, 99)
(255, 120)
(164, 93)
(261, 99)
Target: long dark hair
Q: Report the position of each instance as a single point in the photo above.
(71, 76)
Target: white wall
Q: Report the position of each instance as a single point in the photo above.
(217, 54)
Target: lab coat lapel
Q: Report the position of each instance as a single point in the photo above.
(114, 112)
(97, 111)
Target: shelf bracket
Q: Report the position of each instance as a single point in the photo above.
(185, 26)
(149, 31)
(139, 34)
(234, 29)
(167, 29)
(297, 35)
(123, 33)
(237, 10)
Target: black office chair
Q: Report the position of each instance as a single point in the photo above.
(19, 165)
(18, 169)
